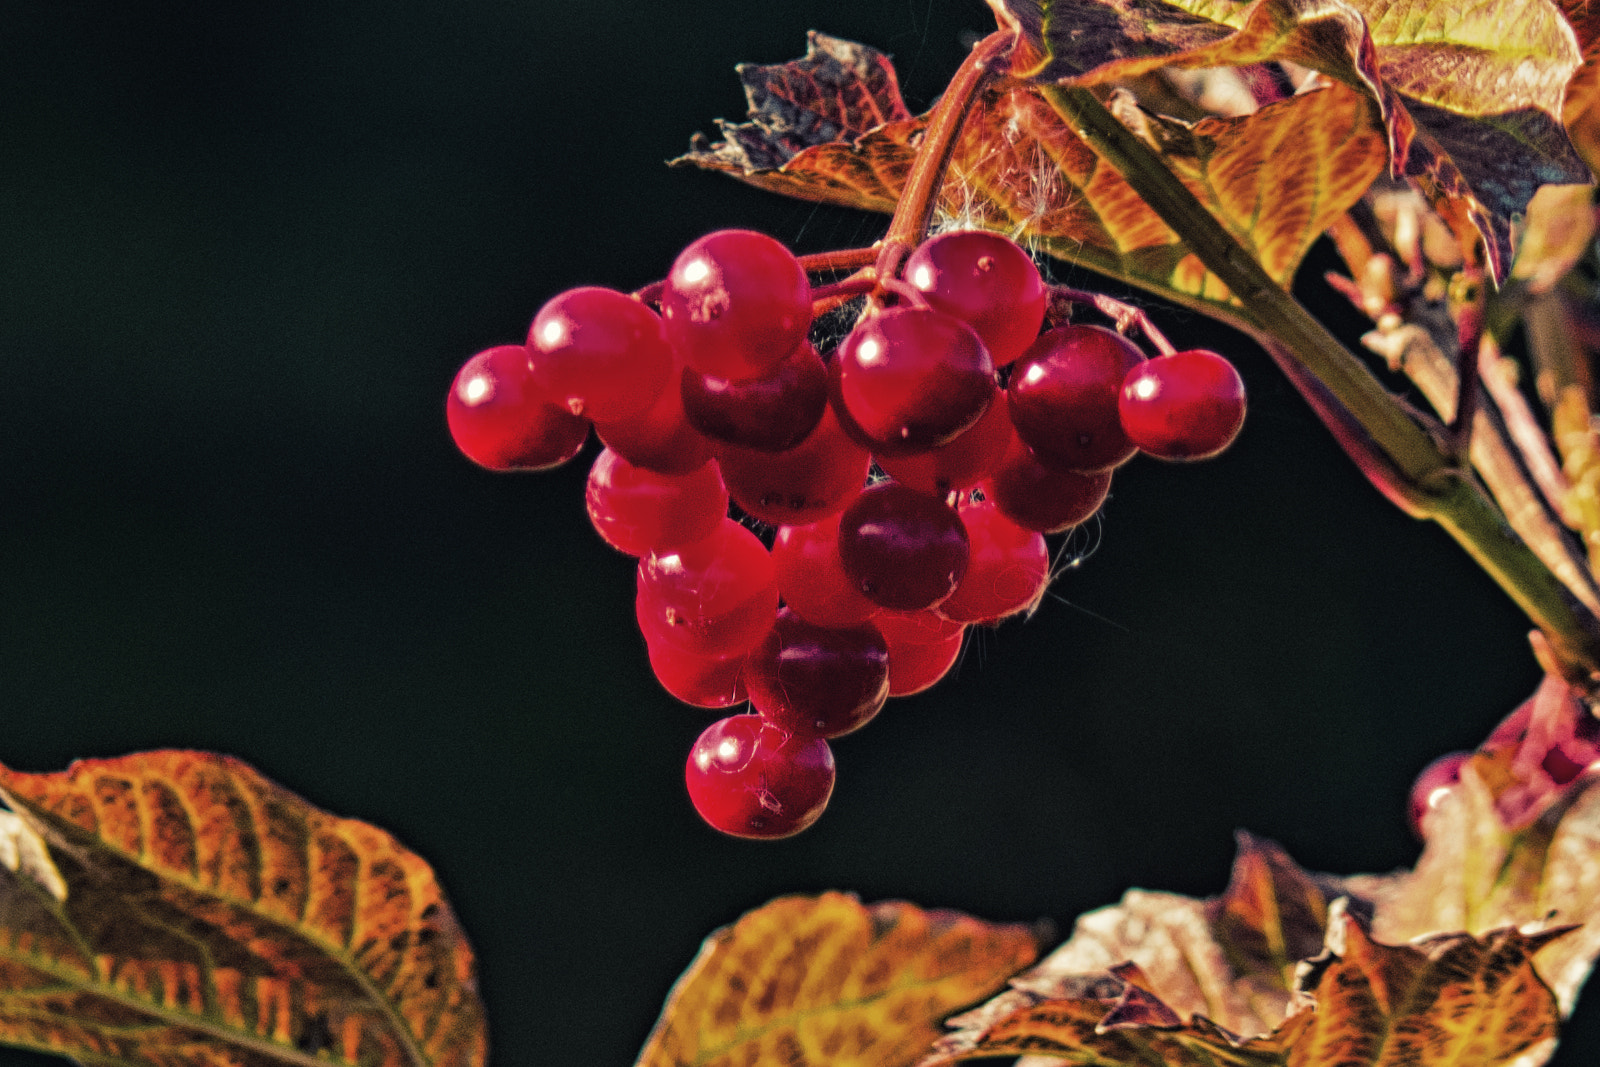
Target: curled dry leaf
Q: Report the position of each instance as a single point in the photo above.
(828, 980)
(1472, 96)
(178, 908)
(1276, 178)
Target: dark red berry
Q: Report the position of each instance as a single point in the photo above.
(1189, 405)
(704, 681)
(748, 778)
(661, 439)
(1064, 393)
(1433, 786)
(962, 463)
(910, 379)
(903, 549)
(1009, 570)
(809, 679)
(770, 414)
(811, 579)
(600, 353)
(735, 303)
(638, 511)
(500, 420)
(1036, 497)
(922, 649)
(714, 597)
(986, 281)
(818, 477)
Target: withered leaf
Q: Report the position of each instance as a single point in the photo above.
(1276, 178)
(829, 981)
(201, 915)
(1472, 94)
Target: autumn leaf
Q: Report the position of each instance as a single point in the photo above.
(1276, 178)
(828, 980)
(178, 908)
(1472, 94)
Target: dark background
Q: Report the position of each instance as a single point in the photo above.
(243, 249)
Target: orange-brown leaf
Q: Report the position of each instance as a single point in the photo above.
(828, 980)
(1472, 94)
(1448, 999)
(207, 916)
(1276, 179)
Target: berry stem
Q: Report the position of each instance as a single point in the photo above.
(920, 196)
(1125, 315)
(827, 297)
(839, 259)
(1419, 469)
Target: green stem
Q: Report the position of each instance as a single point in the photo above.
(1441, 490)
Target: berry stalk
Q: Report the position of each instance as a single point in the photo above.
(1421, 471)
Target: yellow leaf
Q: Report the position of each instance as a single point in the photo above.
(829, 981)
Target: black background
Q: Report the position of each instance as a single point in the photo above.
(243, 249)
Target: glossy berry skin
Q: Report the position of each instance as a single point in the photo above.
(922, 649)
(985, 280)
(1009, 570)
(735, 303)
(499, 420)
(714, 597)
(770, 414)
(809, 679)
(818, 477)
(1189, 405)
(661, 439)
(1433, 786)
(638, 511)
(909, 379)
(599, 353)
(748, 778)
(962, 463)
(1037, 497)
(1064, 395)
(703, 681)
(903, 549)
(811, 579)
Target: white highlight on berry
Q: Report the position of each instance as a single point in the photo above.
(696, 270)
(1145, 388)
(1438, 795)
(476, 390)
(1034, 374)
(554, 332)
(922, 277)
(869, 352)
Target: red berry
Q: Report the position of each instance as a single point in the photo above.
(811, 579)
(1064, 393)
(922, 649)
(599, 352)
(808, 679)
(661, 439)
(1009, 571)
(704, 681)
(910, 379)
(1433, 786)
(714, 597)
(903, 549)
(638, 511)
(986, 281)
(499, 420)
(770, 414)
(1189, 405)
(748, 778)
(962, 463)
(818, 477)
(735, 303)
(1036, 497)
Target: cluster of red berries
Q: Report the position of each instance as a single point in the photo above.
(721, 395)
